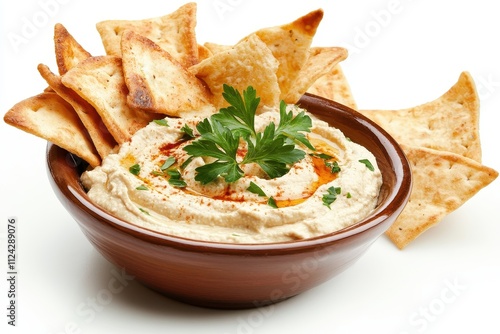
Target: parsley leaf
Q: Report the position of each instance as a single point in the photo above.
(272, 154)
(217, 142)
(162, 122)
(188, 132)
(175, 179)
(239, 117)
(334, 166)
(272, 203)
(368, 164)
(331, 195)
(254, 188)
(221, 135)
(290, 126)
(168, 163)
(135, 169)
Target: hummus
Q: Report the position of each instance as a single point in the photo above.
(132, 185)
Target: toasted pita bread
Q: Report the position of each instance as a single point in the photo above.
(248, 63)
(157, 82)
(174, 32)
(449, 123)
(290, 44)
(48, 116)
(442, 182)
(320, 61)
(334, 86)
(102, 139)
(68, 51)
(99, 80)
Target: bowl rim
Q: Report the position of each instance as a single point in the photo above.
(395, 201)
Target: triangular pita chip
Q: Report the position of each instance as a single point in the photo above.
(99, 80)
(442, 182)
(68, 51)
(449, 123)
(290, 44)
(334, 86)
(48, 116)
(174, 32)
(320, 61)
(102, 139)
(248, 63)
(157, 82)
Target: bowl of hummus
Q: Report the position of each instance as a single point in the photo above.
(244, 232)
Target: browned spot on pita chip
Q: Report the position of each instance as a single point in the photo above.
(157, 82)
(68, 51)
(174, 33)
(99, 80)
(102, 139)
(48, 116)
(449, 123)
(442, 182)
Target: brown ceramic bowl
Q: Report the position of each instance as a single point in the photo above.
(223, 275)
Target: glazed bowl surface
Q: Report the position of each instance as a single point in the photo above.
(233, 276)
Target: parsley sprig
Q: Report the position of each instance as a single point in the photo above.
(221, 135)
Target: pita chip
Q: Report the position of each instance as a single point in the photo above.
(102, 139)
(99, 81)
(334, 86)
(68, 51)
(320, 61)
(290, 45)
(174, 32)
(49, 116)
(442, 182)
(248, 63)
(156, 82)
(449, 123)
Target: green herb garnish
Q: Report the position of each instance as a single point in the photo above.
(175, 179)
(331, 195)
(144, 211)
(253, 188)
(188, 132)
(141, 187)
(368, 164)
(273, 149)
(135, 169)
(162, 122)
(334, 166)
(168, 163)
(272, 203)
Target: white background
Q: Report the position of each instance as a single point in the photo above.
(402, 54)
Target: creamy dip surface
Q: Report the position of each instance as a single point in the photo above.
(229, 212)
